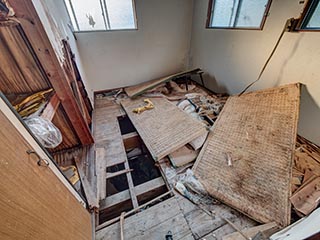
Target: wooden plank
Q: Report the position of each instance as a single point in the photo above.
(87, 188)
(152, 223)
(139, 89)
(131, 140)
(182, 156)
(114, 174)
(50, 110)
(20, 70)
(39, 40)
(125, 195)
(165, 128)
(247, 159)
(34, 203)
(250, 232)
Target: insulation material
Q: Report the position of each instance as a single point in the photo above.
(247, 159)
(165, 128)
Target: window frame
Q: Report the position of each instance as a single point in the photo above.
(306, 15)
(104, 18)
(263, 20)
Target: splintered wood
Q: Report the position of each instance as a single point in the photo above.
(139, 89)
(247, 159)
(165, 128)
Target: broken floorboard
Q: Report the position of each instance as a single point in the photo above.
(139, 89)
(109, 146)
(247, 159)
(165, 128)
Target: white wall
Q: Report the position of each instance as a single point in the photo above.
(232, 59)
(159, 47)
(58, 16)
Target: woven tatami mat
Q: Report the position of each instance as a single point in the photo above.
(246, 161)
(165, 128)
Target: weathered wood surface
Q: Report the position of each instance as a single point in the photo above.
(165, 128)
(46, 48)
(109, 145)
(152, 223)
(182, 156)
(20, 71)
(250, 232)
(247, 159)
(139, 89)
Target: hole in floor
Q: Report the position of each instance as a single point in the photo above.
(126, 125)
(146, 176)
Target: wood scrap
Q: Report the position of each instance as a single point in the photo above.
(182, 156)
(122, 225)
(139, 89)
(307, 198)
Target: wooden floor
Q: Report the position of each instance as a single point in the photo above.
(178, 215)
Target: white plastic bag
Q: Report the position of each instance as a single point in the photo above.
(45, 131)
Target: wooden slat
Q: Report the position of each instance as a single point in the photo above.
(165, 128)
(51, 108)
(114, 174)
(139, 89)
(19, 70)
(39, 40)
(247, 159)
(87, 187)
(125, 195)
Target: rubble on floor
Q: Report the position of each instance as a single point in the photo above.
(177, 130)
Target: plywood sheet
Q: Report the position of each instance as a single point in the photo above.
(247, 159)
(137, 90)
(165, 128)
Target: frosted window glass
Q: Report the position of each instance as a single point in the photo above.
(92, 15)
(120, 14)
(251, 13)
(238, 13)
(314, 21)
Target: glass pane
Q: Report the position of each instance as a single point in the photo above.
(223, 13)
(314, 21)
(72, 17)
(88, 14)
(251, 13)
(121, 14)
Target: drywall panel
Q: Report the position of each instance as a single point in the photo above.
(158, 48)
(55, 19)
(231, 59)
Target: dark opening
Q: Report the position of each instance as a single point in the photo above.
(117, 184)
(126, 125)
(144, 169)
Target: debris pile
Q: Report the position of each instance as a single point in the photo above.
(240, 149)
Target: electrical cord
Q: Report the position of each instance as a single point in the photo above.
(286, 27)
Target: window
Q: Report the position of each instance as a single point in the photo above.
(311, 16)
(99, 15)
(237, 14)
